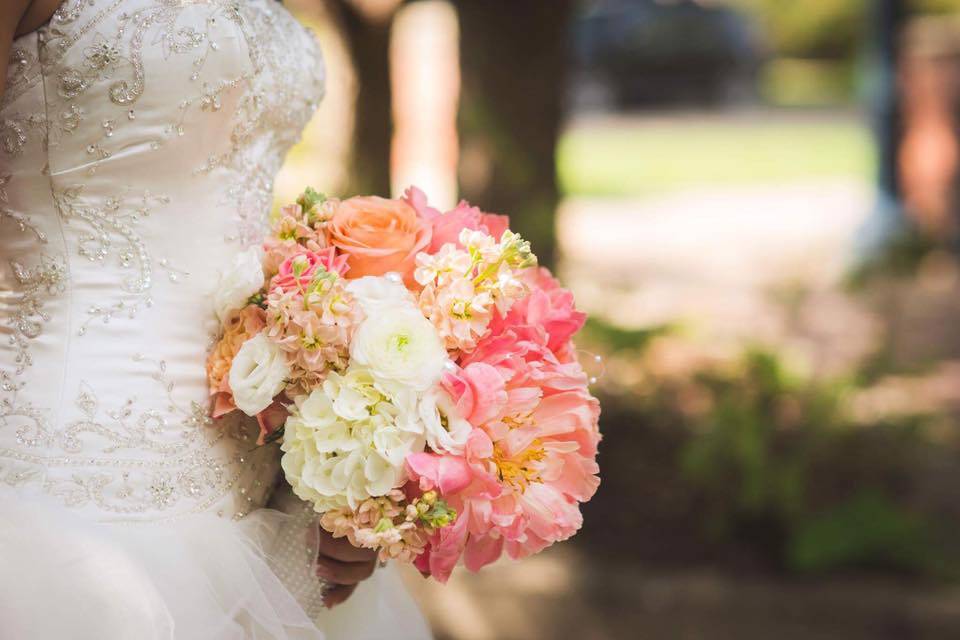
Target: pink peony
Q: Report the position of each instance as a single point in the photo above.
(447, 226)
(550, 307)
(528, 463)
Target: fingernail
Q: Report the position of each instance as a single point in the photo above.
(324, 572)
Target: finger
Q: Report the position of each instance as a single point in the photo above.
(341, 549)
(336, 595)
(339, 572)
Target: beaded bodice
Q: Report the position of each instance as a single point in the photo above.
(139, 140)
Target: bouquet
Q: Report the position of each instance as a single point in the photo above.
(430, 402)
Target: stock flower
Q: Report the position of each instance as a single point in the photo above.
(347, 440)
(292, 232)
(313, 323)
(464, 288)
(399, 528)
(238, 283)
(257, 374)
(379, 236)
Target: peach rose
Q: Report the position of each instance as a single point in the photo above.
(242, 326)
(378, 236)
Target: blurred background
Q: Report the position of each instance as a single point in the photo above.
(757, 202)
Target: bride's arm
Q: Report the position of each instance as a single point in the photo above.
(18, 17)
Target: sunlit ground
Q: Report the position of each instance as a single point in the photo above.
(625, 155)
(709, 220)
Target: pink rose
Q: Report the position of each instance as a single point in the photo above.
(297, 271)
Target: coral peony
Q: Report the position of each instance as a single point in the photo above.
(528, 463)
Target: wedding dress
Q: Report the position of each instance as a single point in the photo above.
(139, 140)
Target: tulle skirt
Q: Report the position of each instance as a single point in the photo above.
(200, 577)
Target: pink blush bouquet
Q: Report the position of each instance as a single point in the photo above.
(418, 370)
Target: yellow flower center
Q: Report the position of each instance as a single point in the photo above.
(517, 421)
(520, 470)
(310, 343)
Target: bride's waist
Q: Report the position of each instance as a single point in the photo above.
(127, 435)
(136, 466)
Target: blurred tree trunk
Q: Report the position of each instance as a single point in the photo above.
(513, 59)
(369, 43)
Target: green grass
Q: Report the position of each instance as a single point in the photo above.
(650, 156)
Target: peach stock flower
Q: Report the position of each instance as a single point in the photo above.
(241, 327)
(379, 235)
(290, 233)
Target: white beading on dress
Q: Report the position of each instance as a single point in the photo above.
(139, 140)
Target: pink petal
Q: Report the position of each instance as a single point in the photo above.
(449, 474)
(481, 551)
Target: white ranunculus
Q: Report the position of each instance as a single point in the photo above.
(347, 441)
(375, 293)
(241, 280)
(400, 346)
(258, 373)
(445, 430)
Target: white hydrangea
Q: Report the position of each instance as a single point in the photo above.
(347, 441)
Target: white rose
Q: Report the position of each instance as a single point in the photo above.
(257, 374)
(400, 346)
(243, 279)
(346, 442)
(375, 293)
(445, 430)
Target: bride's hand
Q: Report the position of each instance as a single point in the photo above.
(344, 566)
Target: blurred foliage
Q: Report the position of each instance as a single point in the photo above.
(825, 29)
(899, 256)
(767, 465)
(868, 530)
(821, 29)
(935, 6)
(612, 337)
(801, 82)
(745, 462)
